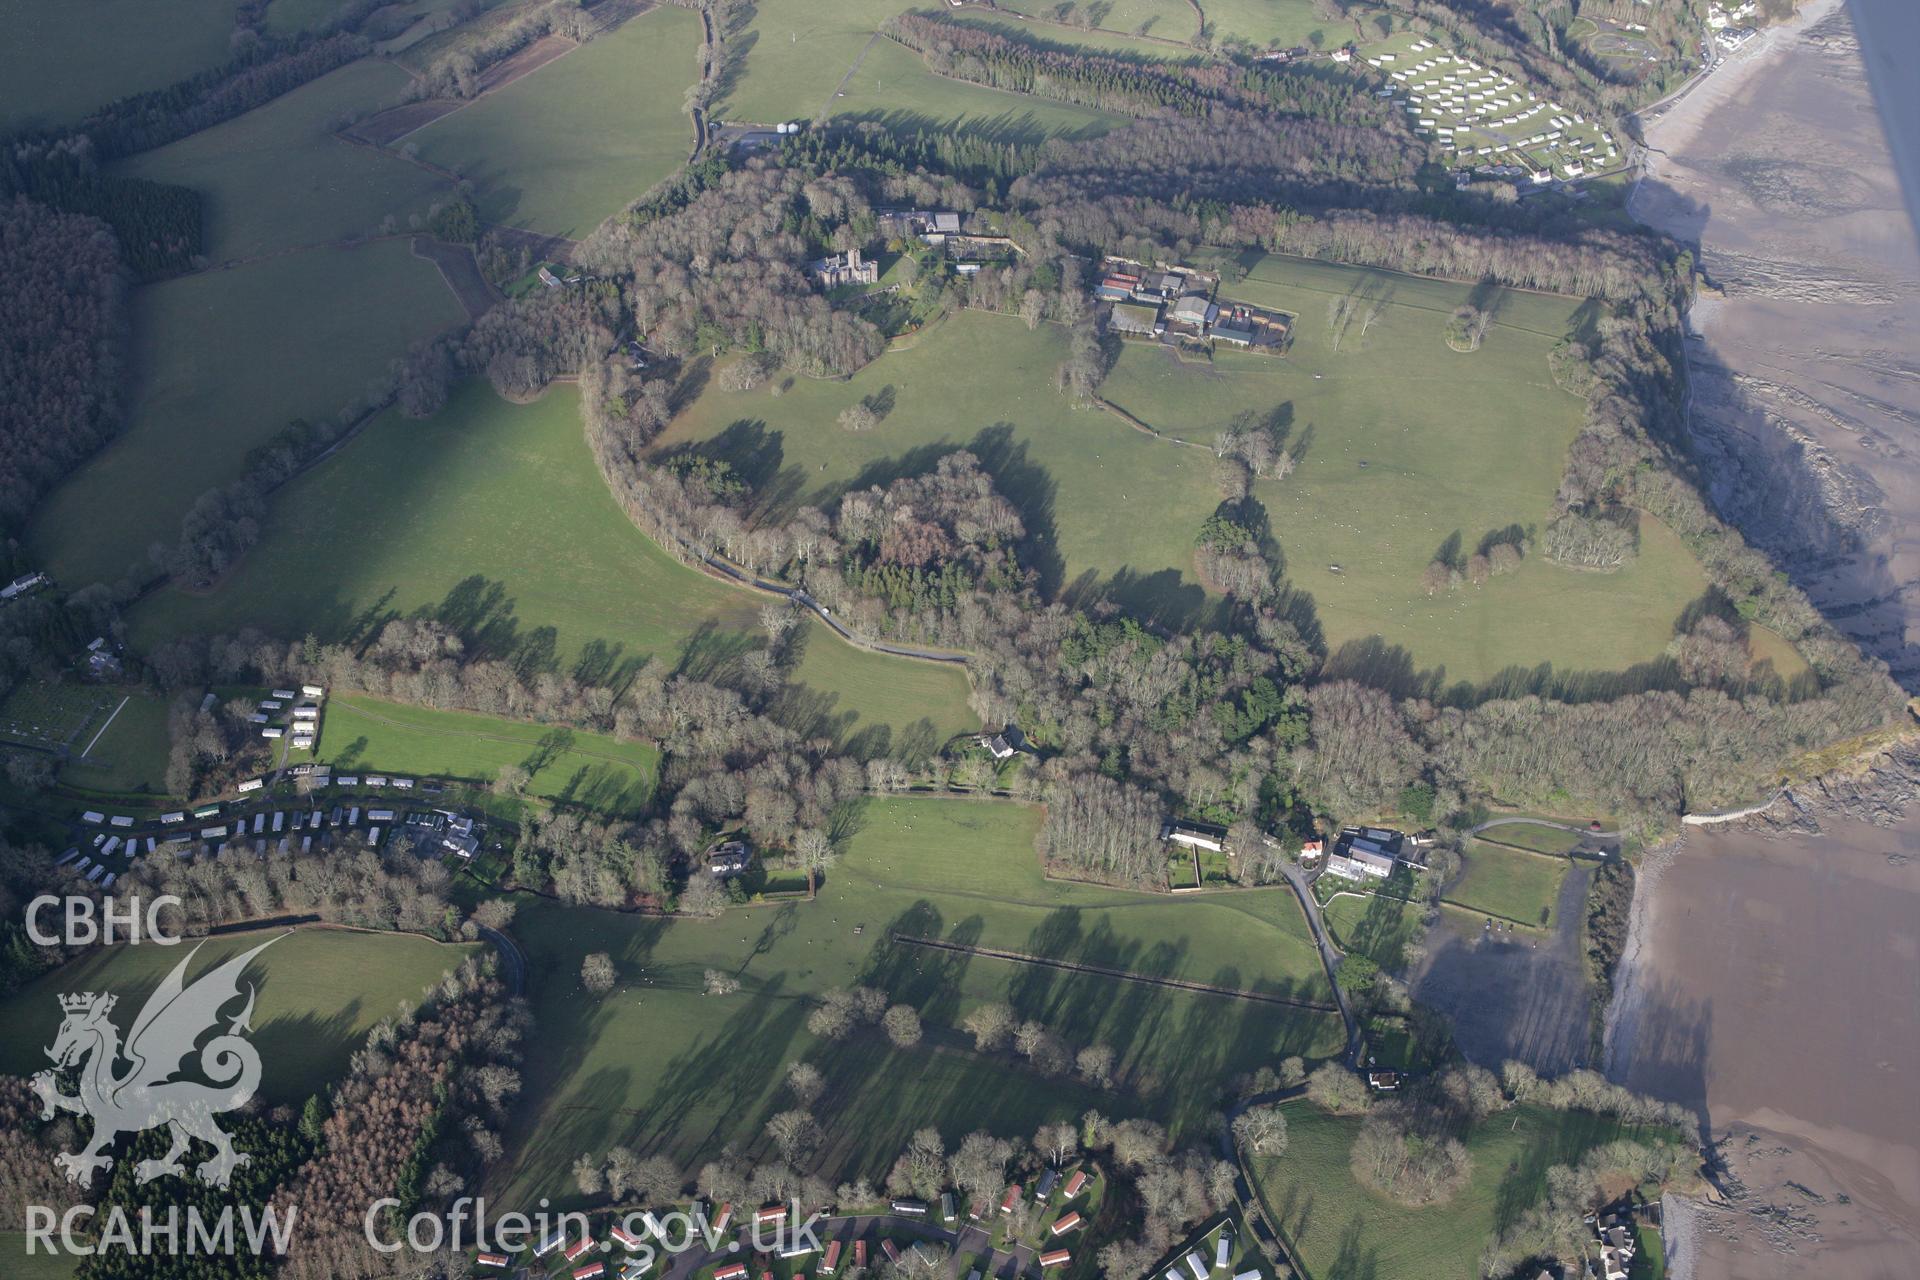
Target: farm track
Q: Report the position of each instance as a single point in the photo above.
(1125, 975)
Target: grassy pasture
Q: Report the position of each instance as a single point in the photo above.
(1281, 23)
(1541, 839)
(796, 54)
(1505, 882)
(130, 753)
(565, 764)
(320, 992)
(40, 1265)
(984, 382)
(494, 517)
(661, 1066)
(1340, 1228)
(222, 361)
(1405, 448)
(277, 177)
(61, 60)
(560, 149)
(1376, 926)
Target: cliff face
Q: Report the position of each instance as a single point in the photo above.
(1806, 352)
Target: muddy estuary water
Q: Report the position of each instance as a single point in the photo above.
(1773, 979)
(1773, 983)
(1785, 168)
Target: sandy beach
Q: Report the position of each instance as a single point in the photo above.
(1806, 372)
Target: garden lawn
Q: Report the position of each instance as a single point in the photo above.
(575, 141)
(131, 755)
(61, 60)
(1408, 449)
(277, 177)
(1081, 478)
(814, 59)
(590, 769)
(493, 517)
(223, 361)
(1340, 1228)
(1505, 882)
(320, 992)
(663, 1067)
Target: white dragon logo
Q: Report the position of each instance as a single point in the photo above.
(145, 1096)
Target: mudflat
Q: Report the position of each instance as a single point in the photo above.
(1784, 168)
(1772, 983)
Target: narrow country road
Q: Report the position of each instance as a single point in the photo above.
(1302, 888)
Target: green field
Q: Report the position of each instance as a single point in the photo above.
(129, 755)
(1341, 1228)
(1079, 477)
(1376, 926)
(1540, 838)
(38, 1266)
(277, 177)
(320, 991)
(813, 59)
(61, 60)
(1508, 883)
(575, 141)
(666, 1068)
(1405, 445)
(1282, 23)
(565, 764)
(222, 361)
(494, 517)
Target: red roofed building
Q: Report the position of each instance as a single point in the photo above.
(625, 1238)
(1075, 1183)
(590, 1272)
(831, 1263)
(732, 1271)
(1055, 1258)
(1010, 1199)
(575, 1250)
(1066, 1224)
(492, 1259)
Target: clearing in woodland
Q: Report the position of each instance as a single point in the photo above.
(660, 1066)
(493, 518)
